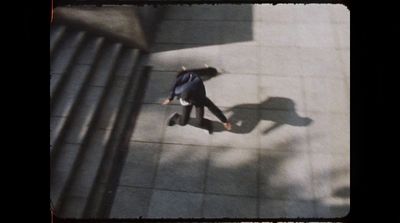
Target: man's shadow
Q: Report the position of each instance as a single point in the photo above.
(277, 109)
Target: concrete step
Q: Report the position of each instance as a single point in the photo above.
(68, 47)
(99, 200)
(56, 33)
(80, 71)
(86, 171)
(85, 55)
(86, 100)
(63, 58)
(91, 100)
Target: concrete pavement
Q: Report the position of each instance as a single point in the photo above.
(284, 84)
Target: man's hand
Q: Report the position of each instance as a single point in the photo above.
(228, 126)
(166, 101)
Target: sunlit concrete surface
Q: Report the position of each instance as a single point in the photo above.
(284, 84)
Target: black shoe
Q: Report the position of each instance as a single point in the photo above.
(210, 129)
(207, 125)
(171, 119)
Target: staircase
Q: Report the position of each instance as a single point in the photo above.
(96, 85)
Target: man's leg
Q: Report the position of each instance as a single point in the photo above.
(180, 119)
(215, 110)
(203, 123)
(184, 118)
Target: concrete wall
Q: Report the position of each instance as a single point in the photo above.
(132, 25)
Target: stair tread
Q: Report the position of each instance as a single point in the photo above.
(56, 33)
(69, 45)
(86, 173)
(93, 96)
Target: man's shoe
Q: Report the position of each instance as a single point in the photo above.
(210, 129)
(171, 119)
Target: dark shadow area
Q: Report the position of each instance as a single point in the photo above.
(279, 110)
(202, 25)
(343, 192)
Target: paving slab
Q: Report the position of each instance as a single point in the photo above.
(182, 168)
(239, 59)
(342, 32)
(200, 32)
(315, 35)
(273, 57)
(150, 123)
(170, 32)
(326, 95)
(345, 59)
(73, 201)
(268, 13)
(167, 57)
(219, 206)
(283, 131)
(332, 208)
(159, 86)
(229, 91)
(196, 57)
(270, 208)
(331, 176)
(340, 14)
(276, 34)
(169, 204)
(330, 133)
(130, 202)
(232, 171)
(320, 13)
(141, 164)
(321, 62)
(285, 175)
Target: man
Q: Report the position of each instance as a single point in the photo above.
(190, 90)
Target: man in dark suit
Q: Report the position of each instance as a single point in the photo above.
(190, 90)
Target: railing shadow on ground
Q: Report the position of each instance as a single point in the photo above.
(279, 110)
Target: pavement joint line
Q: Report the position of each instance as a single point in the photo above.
(258, 180)
(183, 191)
(184, 144)
(210, 20)
(72, 143)
(58, 116)
(308, 145)
(56, 73)
(212, 148)
(335, 77)
(256, 21)
(159, 153)
(205, 182)
(96, 86)
(218, 194)
(256, 43)
(223, 108)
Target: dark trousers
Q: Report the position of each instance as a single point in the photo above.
(184, 118)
